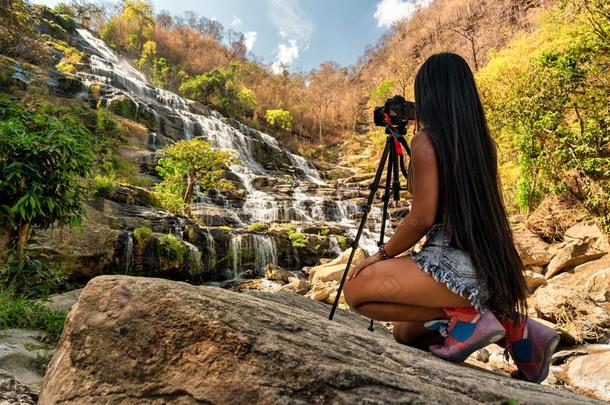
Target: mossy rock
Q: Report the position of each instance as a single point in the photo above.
(123, 106)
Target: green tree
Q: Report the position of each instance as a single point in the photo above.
(132, 28)
(44, 152)
(191, 163)
(280, 119)
(155, 68)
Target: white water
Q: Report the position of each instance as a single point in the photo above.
(240, 141)
(251, 252)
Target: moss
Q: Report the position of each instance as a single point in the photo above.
(193, 262)
(172, 252)
(297, 239)
(258, 227)
(324, 231)
(124, 107)
(343, 242)
(142, 234)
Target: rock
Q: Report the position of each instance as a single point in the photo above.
(277, 273)
(132, 195)
(562, 356)
(257, 284)
(598, 286)
(532, 249)
(19, 351)
(296, 285)
(573, 311)
(333, 270)
(592, 278)
(62, 302)
(591, 374)
(151, 341)
(325, 292)
(12, 392)
(533, 280)
(583, 243)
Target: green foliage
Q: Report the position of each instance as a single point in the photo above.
(70, 56)
(297, 239)
(155, 68)
(44, 150)
(258, 227)
(23, 313)
(280, 119)
(142, 234)
(221, 88)
(29, 277)
(187, 164)
(547, 100)
(103, 185)
(169, 196)
(343, 242)
(324, 232)
(384, 90)
(132, 28)
(172, 251)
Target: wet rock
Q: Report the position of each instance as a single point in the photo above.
(573, 311)
(213, 215)
(145, 341)
(277, 273)
(532, 249)
(12, 392)
(583, 243)
(591, 374)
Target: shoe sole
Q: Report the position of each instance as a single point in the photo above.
(548, 352)
(461, 355)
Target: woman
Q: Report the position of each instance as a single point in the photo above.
(467, 280)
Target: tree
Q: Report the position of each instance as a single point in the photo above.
(155, 68)
(281, 119)
(132, 28)
(191, 163)
(44, 152)
(465, 25)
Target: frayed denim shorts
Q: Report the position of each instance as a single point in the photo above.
(452, 267)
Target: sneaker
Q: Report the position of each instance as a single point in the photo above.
(531, 345)
(466, 331)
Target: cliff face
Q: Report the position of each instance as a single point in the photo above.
(149, 341)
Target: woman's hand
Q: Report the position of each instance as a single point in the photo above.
(354, 271)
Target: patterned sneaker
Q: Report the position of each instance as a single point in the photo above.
(466, 331)
(531, 345)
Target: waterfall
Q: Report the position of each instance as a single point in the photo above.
(251, 252)
(334, 245)
(129, 252)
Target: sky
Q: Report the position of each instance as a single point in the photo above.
(300, 34)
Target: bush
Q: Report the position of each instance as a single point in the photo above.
(258, 227)
(171, 251)
(23, 313)
(279, 119)
(103, 185)
(142, 234)
(343, 242)
(29, 277)
(297, 239)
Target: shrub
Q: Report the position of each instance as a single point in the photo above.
(171, 251)
(258, 227)
(23, 313)
(343, 242)
(280, 119)
(103, 185)
(29, 277)
(142, 234)
(297, 239)
(324, 232)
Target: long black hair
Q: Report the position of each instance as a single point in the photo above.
(470, 198)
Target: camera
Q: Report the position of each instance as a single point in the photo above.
(398, 109)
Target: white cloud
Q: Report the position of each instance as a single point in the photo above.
(390, 11)
(250, 39)
(290, 19)
(236, 21)
(286, 54)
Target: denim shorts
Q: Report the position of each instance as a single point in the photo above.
(452, 267)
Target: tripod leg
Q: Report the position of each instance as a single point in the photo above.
(367, 208)
(386, 195)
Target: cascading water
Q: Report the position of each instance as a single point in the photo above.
(304, 201)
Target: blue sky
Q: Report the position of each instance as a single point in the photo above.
(300, 34)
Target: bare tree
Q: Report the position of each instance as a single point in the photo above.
(464, 24)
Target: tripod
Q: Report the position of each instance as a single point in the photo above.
(393, 155)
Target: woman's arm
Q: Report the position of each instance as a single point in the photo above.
(424, 203)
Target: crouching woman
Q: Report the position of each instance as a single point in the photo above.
(464, 289)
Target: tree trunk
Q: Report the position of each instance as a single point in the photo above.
(24, 237)
(190, 189)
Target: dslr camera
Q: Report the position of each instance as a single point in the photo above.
(399, 110)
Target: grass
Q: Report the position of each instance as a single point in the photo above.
(22, 313)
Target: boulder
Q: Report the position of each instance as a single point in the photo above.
(333, 270)
(62, 302)
(533, 280)
(12, 392)
(19, 351)
(591, 374)
(150, 341)
(583, 243)
(296, 285)
(573, 311)
(325, 292)
(532, 249)
(592, 278)
(277, 273)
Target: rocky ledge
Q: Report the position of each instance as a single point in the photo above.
(150, 341)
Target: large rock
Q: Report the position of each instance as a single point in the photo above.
(333, 270)
(583, 243)
(12, 392)
(592, 278)
(532, 249)
(573, 311)
(19, 351)
(591, 374)
(150, 341)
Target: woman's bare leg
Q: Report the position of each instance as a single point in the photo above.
(416, 335)
(398, 290)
